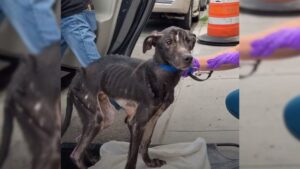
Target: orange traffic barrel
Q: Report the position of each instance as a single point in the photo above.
(223, 23)
(271, 6)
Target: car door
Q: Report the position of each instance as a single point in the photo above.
(120, 23)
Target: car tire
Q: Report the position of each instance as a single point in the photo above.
(187, 21)
(196, 18)
(203, 5)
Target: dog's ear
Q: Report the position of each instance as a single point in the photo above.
(151, 41)
(192, 42)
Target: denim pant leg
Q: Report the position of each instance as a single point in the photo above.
(78, 32)
(292, 116)
(1, 16)
(34, 21)
(63, 46)
(232, 103)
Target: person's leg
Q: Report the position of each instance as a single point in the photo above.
(292, 116)
(91, 19)
(232, 103)
(1, 16)
(79, 34)
(63, 46)
(34, 21)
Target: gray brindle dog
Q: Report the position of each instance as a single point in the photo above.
(144, 89)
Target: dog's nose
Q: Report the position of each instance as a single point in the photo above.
(188, 59)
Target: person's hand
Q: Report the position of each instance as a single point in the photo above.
(285, 38)
(225, 58)
(195, 66)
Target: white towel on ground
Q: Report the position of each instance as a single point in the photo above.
(178, 156)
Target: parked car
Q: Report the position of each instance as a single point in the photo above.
(188, 10)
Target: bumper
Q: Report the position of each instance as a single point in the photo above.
(172, 6)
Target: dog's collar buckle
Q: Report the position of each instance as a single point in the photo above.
(168, 68)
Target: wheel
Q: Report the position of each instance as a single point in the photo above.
(187, 21)
(203, 4)
(196, 18)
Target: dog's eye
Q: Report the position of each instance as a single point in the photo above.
(187, 39)
(168, 42)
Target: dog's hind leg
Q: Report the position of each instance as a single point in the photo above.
(42, 134)
(68, 115)
(47, 156)
(91, 120)
(108, 115)
(6, 132)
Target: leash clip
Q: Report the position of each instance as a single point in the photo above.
(199, 79)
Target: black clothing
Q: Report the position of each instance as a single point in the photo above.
(71, 7)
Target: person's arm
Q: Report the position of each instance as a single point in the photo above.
(272, 43)
(279, 42)
(206, 61)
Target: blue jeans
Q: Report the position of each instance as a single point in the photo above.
(34, 21)
(78, 34)
(232, 103)
(292, 116)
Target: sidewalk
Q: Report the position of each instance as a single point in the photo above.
(265, 142)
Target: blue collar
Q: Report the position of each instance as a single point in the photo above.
(168, 68)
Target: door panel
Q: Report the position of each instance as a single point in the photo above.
(106, 14)
(120, 23)
(131, 21)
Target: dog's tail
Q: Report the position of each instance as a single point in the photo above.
(6, 136)
(68, 115)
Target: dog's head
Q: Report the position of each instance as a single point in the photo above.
(173, 45)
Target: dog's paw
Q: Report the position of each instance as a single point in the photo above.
(156, 163)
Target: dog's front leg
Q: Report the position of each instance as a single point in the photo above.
(169, 98)
(147, 139)
(136, 127)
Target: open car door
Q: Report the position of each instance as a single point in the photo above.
(120, 23)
